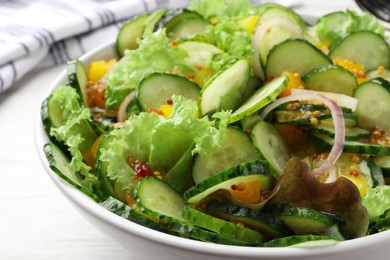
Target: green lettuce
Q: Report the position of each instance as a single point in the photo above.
(332, 28)
(159, 141)
(75, 132)
(154, 54)
(377, 200)
(229, 8)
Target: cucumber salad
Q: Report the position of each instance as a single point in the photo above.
(233, 124)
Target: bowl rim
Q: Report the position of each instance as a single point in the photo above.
(82, 201)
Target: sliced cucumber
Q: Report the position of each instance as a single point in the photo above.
(158, 200)
(301, 241)
(158, 87)
(384, 163)
(373, 107)
(235, 147)
(184, 23)
(294, 117)
(354, 47)
(222, 227)
(331, 78)
(272, 146)
(262, 97)
(308, 107)
(351, 133)
(350, 120)
(187, 230)
(353, 146)
(294, 55)
(225, 90)
(306, 220)
(119, 208)
(257, 170)
(59, 162)
(266, 224)
(271, 10)
(380, 72)
(78, 78)
(273, 31)
(129, 34)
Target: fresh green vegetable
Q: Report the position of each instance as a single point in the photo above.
(234, 124)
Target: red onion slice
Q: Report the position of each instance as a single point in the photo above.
(122, 117)
(338, 121)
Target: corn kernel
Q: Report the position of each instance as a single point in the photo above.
(249, 23)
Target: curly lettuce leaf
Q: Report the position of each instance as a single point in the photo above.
(75, 132)
(172, 137)
(154, 54)
(229, 8)
(332, 28)
(131, 140)
(377, 200)
(160, 141)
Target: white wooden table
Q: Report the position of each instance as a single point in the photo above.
(36, 221)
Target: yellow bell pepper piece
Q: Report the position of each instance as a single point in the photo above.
(249, 23)
(99, 68)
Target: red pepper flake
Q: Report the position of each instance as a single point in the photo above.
(174, 43)
(141, 169)
(249, 131)
(169, 101)
(354, 173)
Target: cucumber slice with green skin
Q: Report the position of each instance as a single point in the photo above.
(353, 146)
(184, 23)
(199, 54)
(271, 10)
(158, 200)
(119, 208)
(331, 78)
(373, 107)
(78, 78)
(354, 47)
(304, 118)
(306, 220)
(151, 23)
(332, 231)
(273, 31)
(307, 107)
(225, 90)
(59, 162)
(301, 241)
(294, 55)
(351, 133)
(262, 97)
(154, 90)
(222, 227)
(350, 120)
(235, 147)
(129, 34)
(272, 146)
(380, 72)
(384, 163)
(184, 229)
(266, 224)
(257, 170)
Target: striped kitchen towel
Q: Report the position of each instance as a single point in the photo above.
(37, 33)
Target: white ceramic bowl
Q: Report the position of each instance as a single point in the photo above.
(151, 244)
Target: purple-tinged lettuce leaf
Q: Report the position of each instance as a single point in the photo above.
(298, 186)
